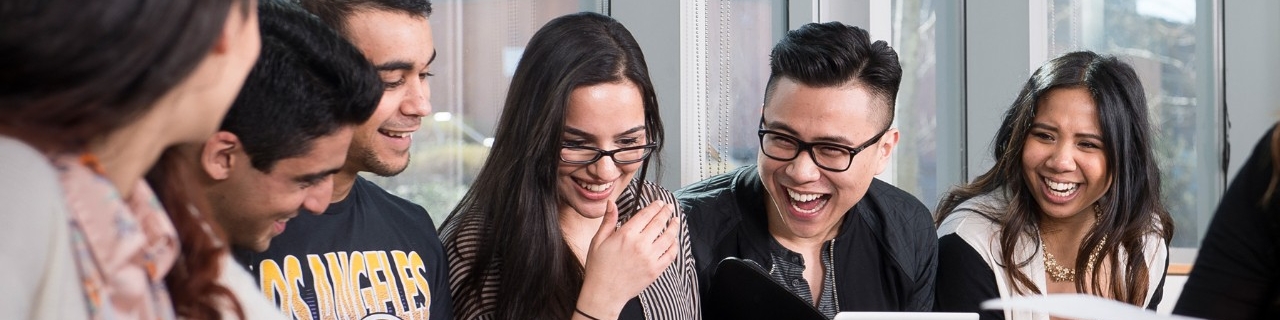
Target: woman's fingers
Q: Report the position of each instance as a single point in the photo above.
(667, 240)
(629, 258)
(658, 222)
(669, 244)
(640, 219)
(607, 225)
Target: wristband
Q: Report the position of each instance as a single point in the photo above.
(584, 314)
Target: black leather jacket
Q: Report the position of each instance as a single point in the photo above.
(886, 251)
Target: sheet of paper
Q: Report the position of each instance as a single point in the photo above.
(1078, 306)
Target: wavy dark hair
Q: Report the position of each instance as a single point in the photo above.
(1130, 210)
(540, 276)
(77, 70)
(193, 281)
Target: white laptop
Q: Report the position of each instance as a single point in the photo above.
(906, 316)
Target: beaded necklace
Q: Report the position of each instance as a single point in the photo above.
(1060, 273)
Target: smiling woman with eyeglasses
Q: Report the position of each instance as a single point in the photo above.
(560, 223)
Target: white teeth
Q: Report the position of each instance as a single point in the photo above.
(1061, 189)
(815, 209)
(801, 197)
(400, 134)
(797, 198)
(596, 187)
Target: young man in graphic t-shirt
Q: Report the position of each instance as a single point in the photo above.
(370, 254)
(286, 135)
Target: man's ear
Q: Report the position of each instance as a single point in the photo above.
(218, 157)
(887, 143)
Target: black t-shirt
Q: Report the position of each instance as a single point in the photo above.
(1237, 272)
(369, 255)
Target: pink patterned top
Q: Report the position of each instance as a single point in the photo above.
(123, 247)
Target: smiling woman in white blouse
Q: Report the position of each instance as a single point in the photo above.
(1073, 203)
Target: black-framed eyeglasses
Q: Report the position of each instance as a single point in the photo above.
(589, 155)
(828, 156)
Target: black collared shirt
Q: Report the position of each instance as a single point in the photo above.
(788, 270)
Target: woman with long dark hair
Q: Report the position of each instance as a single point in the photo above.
(92, 93)
(558, 224)
(1073, 203)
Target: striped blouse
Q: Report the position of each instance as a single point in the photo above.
(674, 295)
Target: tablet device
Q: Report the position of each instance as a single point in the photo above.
(742, 289)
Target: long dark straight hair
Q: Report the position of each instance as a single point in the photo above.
(515, 193)
(1130, 210)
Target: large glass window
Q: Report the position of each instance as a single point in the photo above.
(732, 61)
(478, 44)
(926, 35)
(1166, 43)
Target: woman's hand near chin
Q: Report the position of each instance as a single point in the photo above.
(622, 261)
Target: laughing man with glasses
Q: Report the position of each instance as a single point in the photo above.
(810, 213)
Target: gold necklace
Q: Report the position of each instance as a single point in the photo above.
(1060, 273)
